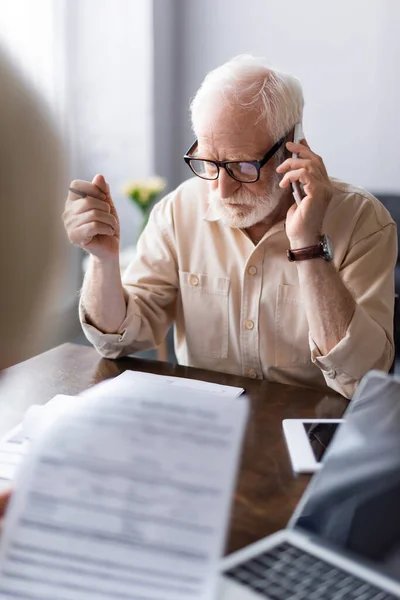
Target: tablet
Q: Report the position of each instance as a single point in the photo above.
(307, 441)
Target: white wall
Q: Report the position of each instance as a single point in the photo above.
(345, 52)
(167, 114)
(111, 86)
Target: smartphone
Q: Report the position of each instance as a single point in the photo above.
(297, 190)
(307, 441)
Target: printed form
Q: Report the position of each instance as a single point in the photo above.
(125, 498)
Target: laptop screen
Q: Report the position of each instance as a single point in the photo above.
(353, 502)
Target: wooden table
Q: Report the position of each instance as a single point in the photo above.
(267, 491)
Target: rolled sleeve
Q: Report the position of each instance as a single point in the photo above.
(343, 367)
(113, 345)
(368, 273)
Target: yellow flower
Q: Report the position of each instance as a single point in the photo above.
(143, 191)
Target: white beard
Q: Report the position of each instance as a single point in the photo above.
(248, 210)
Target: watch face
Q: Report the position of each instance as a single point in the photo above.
(327, 247)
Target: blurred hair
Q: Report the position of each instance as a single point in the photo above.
(248, 82)
(31, 185)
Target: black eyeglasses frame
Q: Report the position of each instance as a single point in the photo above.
(224, 164)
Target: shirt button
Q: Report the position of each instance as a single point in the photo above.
(252, 374)
(194, 280)
(331, 374)
(252, 270)
(249, 325)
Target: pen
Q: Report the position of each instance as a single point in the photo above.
(77, 192)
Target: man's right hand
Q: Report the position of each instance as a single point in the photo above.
(92, 222)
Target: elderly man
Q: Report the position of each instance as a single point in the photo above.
(214, 257)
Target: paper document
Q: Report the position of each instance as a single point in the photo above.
(126, 498)
(126, 382)
(13, 447)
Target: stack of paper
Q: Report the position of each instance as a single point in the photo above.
(14, 445)
(125, 495)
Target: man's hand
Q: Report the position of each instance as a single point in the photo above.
(92, 222)
(304, 222)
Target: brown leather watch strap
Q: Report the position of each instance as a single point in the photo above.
(316, 251)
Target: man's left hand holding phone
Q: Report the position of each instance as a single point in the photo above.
(305, 172)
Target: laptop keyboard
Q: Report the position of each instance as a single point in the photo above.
(286, 572)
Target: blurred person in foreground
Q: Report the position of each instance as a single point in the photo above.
(31, 181)
(213, 258)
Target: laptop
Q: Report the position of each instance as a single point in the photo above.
(343, 540)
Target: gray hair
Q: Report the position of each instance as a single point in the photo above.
(248, 82)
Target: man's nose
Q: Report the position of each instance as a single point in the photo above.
(226, 184)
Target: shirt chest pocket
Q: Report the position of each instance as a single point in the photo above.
(291, 329)
(205, 305)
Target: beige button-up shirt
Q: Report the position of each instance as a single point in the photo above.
(237, 307)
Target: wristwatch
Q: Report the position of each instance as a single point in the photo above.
(322, 250)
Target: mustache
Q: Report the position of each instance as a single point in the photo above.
(240, 197)
(245, 197)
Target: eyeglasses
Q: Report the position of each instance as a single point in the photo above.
(244, 171)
